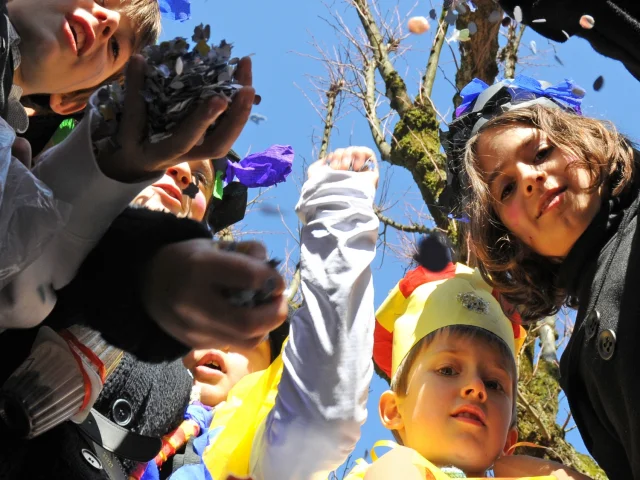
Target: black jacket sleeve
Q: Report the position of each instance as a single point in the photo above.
(616, 33)
(6, 60)
(106, 293)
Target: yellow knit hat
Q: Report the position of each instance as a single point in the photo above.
(423, 302)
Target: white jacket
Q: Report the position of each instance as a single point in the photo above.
(321, 400)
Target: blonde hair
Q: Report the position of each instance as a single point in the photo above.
(522, 276)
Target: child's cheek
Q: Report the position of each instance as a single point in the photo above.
(512, 216)
(198, 206)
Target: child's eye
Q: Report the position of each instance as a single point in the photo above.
(494, 385)
(506, 191)
(115, 48)
(543, 153)
(446, 371)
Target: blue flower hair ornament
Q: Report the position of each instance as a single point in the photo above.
(481, 103)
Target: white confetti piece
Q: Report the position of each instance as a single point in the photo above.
(539, 20)
(517, 14)
(533, 47)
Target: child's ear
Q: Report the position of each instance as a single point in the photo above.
(512, 438)
(64, 104)
(389, 412)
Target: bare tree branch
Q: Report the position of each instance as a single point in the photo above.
(413, 228)
(396, 90)
(510, 52)
(332, 95)
(370, 108)
(434, 57)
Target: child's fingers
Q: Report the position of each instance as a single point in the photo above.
(187, 135)
(244, 73)
(134, 117)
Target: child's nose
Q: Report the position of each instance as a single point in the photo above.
(532, 178)
(475, 389)
(108, 22)
(181, 173)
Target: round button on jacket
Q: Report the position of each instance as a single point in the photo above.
(593, 320)
(606, 344)
(122, 412)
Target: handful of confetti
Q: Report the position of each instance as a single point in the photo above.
(176, 80)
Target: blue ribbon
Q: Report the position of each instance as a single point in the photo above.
(176, 9)
(567, 93)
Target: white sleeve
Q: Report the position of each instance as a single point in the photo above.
(321, 401)
(70, 170)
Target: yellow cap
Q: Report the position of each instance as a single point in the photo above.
(424, 302)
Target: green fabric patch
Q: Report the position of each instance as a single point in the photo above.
(218, 186)
(63, 131)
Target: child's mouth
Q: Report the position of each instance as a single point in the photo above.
(470, 415)
(78, 35)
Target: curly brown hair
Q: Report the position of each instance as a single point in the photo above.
(524, 277)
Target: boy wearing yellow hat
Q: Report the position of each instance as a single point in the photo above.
(450, 354)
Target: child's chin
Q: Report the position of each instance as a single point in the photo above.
(212, 395)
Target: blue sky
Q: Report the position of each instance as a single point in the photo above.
(275, 31)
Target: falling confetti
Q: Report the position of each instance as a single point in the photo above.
(257, 118)
(464, 35)
(473, 28)
(598, 84)
(566, 34)
(451, 17)
(495, 16)
(517, 14)
(432, 14)
(418, 25)
(533, 47)
(506, 21)
(579, 91)
(176, 81)
(559, 60)
(539, 20)
(587, 22)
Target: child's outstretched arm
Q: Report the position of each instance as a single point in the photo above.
(321, 402)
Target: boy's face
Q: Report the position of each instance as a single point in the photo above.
(458, 407)
(217, 371)
(69, 45)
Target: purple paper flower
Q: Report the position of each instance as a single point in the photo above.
(263, 169)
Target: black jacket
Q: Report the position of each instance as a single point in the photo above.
(599, 368)
(616, 33)
(106, 296)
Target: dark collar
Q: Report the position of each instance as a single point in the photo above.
(588, 247)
